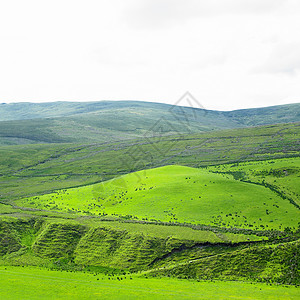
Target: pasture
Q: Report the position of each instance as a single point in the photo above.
(176, 194)
(36, 283)
(38, 169)
(280, 174)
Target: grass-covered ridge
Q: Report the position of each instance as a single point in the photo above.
(280, 174)
(34, 169)
(177, 194)
(277, 263)
(216, 205)
(107, 121)
(73, 244)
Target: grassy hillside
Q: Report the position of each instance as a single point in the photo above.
(177, 194)
(276, 263)
(111, 121)
(281, 175)
(99, 247)
(266, 115)
(33, 169)
(33, 240)
(214, 205)
(28, 110)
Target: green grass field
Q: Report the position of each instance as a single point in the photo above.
(38, 283)
(177, 194)
(197, 206)
(282, 174)
(177, 232)
(38, 169)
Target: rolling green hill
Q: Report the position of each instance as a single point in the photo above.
(105, 121)
(172, 202)
(33, 169)
(279, 174)
(177, 194)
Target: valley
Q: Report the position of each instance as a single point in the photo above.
(202, 212)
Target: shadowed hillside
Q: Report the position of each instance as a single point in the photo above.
(105, 121)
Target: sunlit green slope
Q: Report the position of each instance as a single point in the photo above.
(29, 170)
(281, 174)
(177, 194)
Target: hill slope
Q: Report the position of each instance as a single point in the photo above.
(177, 194)
(248, 186)
(34, 169)
(117, 120)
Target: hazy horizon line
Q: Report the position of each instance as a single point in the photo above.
(143, 101)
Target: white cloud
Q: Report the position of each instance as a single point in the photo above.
(284, 59)
(89, 50)
(157, 13)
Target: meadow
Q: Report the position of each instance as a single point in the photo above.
(177, 194)
(280, 174)
(37, 283)
(180, 215)
(38, 169)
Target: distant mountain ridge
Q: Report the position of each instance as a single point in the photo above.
(30, 110)
(85, 122)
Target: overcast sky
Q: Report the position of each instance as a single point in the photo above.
(229, 54)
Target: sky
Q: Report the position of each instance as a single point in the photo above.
(229, 54)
